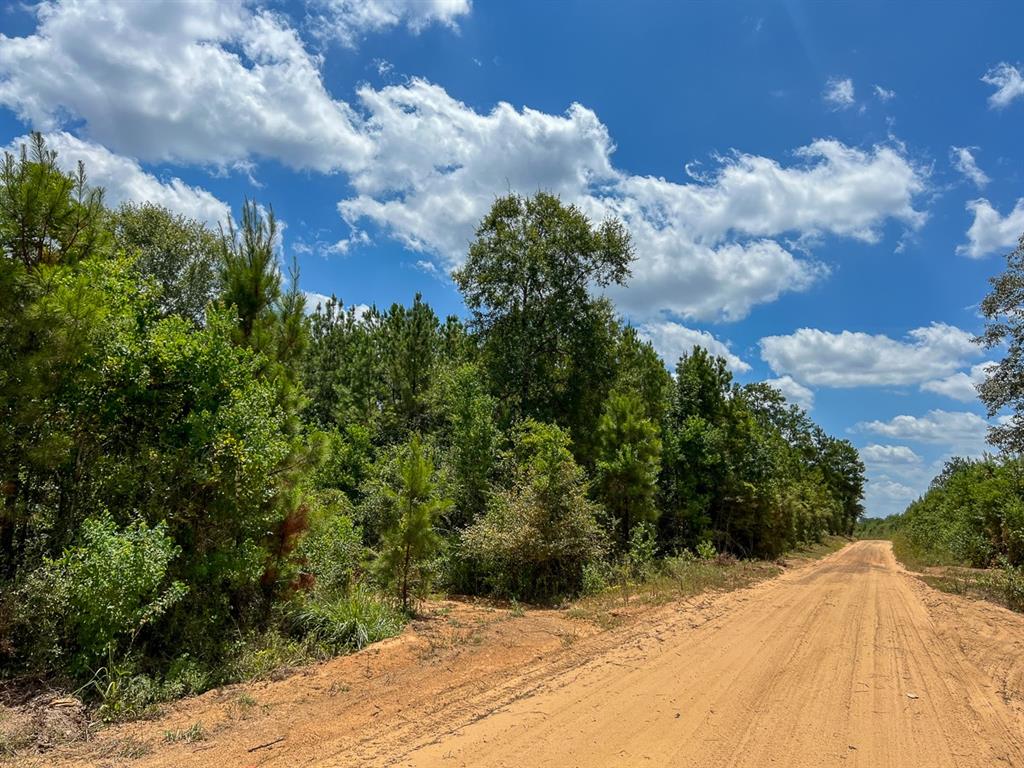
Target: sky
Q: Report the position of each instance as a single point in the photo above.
(819, 192)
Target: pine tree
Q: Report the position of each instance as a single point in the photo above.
(629, 453)
(412, 540)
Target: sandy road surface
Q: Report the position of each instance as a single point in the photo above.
(839, 665)
(847, 661)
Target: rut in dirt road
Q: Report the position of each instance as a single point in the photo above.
(838, 664)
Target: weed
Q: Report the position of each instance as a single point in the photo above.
(192, 734)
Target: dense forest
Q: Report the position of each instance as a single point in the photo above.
(973, 512)
(202, 475)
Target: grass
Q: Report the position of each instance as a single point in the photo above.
(686, 576)
(192, 734)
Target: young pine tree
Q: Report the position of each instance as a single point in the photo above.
(628, 462)
(412, 540)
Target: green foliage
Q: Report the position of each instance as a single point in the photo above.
(629, 453)
(526, 281)
(347, 621)
(412, 539)
(973, 514)
(463, 413)
(540, 533)
(1004, 327)
(255, 460)
(706, 550)
(179, 254)
(332, 551)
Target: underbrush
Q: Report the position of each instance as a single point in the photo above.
(1002, 583)
(315, 628)
(631, 584)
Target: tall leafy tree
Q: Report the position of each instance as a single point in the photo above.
(180, 254)
(527, 282)
(1003, 310)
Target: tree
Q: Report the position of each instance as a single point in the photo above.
(527, 282)
(412, 540)
(180, 254)
(463, 416)
(628, 461)
(1004, 325)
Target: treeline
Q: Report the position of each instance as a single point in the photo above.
(972, 514)
(200, 477)
(973, 511)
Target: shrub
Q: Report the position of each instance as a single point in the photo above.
(706, 550)
(537, 537)
(108, 588)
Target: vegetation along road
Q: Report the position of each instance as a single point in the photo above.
(845, 661)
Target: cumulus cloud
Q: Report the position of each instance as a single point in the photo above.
(228, 84)
(990, 232)
(207, 83)
(839, 93)
(672, 341)
(1008, 81)
(962, 386)
(125, 181)
(884, 496)
(705, 248)
(961, 431)
(794, 391)
(964, 162)
(854, 359)
(889, 454)
(350, 20)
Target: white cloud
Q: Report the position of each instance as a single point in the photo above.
(884, 94)
(963, 432)
(207, 83)
(839, 93)
(854, 359)
(963, 160)
(990, 232)
(889, 454)
(884, 497)
(672, 341)
(349, 20)
(704, 248)
(125, 181)
(315, 300)
(961, 385)
(1008, 81)
(794, 391)
(225, 84)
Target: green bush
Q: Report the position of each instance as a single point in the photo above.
(109, 587)
(706, 550)
(537, 536)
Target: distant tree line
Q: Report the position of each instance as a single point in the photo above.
(973, 511)
(198, 474)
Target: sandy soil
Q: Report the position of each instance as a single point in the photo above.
(847, 661)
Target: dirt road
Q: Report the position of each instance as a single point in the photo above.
(848, 661)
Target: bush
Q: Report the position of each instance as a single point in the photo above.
(332, 550)
(538, 536)
(106, 589)
(706, 550)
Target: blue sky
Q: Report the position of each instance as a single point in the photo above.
(818, 191)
